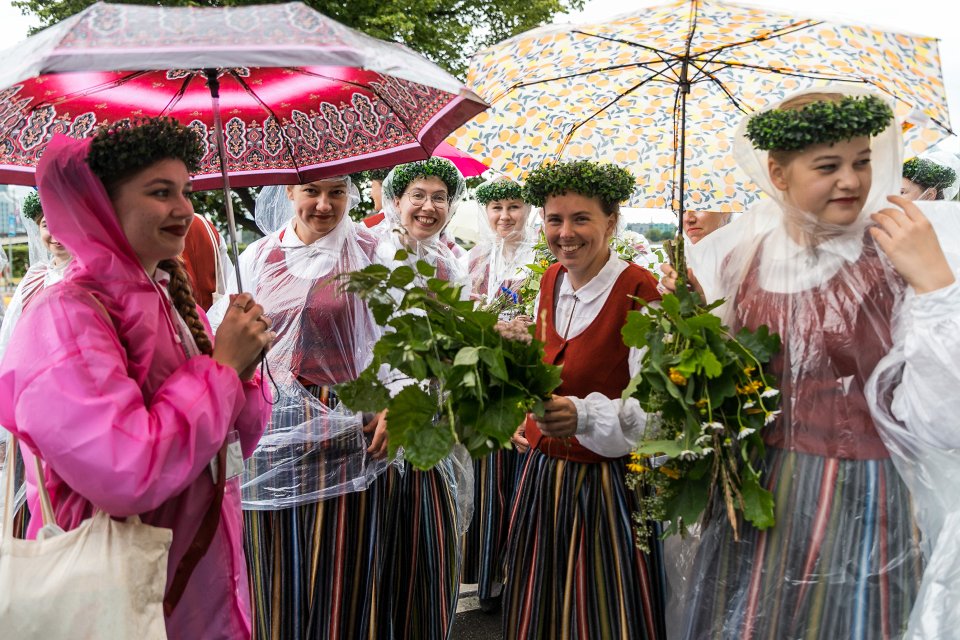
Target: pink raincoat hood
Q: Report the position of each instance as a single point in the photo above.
(121, 417)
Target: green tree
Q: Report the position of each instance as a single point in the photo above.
(445, 31)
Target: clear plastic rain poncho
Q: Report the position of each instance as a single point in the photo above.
(314, 448)
(496, 263)
(457, 468)
(42, 273)
(935, 175)
(843, 559)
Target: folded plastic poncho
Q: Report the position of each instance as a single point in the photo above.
(867, 371)
(314, 448)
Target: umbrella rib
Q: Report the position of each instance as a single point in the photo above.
(772, 35)
(722, 87)
(178, 95)
(596, 113)
(90, 90)
(594, 70)
(664, 55)
(253, 94)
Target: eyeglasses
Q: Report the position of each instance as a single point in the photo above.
(418, 199)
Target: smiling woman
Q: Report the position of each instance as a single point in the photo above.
(145, 400)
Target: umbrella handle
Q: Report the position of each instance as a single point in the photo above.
(214, 83)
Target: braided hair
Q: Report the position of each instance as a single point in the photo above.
(186, 305)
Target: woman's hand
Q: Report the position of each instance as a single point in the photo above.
(559, 418)
(668, 281)
(243, 335)
(378, 427)
(519, 440)
(908, 239)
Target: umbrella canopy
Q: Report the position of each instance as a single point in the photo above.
(302, 96)
(660, 91)
(467, 164)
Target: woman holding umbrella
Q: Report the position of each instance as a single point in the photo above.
(855, 287)
(574, 569)
(426, 510)
(145, 401)
(310, 491)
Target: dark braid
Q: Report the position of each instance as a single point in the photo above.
(182, 295)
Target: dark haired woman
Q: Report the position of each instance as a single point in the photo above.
(143, 400)
(574, 569)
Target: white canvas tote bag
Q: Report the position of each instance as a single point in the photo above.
(103, 580)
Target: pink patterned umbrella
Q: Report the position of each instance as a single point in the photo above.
(301, 96)
(467, 164)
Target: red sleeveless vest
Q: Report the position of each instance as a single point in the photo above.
(593, 361)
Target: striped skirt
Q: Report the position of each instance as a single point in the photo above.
(573, 568)
(495, 482)
(842, 561)
(421, 554)
(315, 568)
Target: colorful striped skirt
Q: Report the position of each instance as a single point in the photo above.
(573, 568)
(421, 554)
(842, 561)
(315, 568)
(495, 482)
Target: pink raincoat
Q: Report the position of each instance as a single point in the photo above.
(120, 416)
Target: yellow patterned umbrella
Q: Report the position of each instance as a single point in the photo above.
(662, 90)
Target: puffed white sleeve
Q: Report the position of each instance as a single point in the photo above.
(609, 426)
(927, 400)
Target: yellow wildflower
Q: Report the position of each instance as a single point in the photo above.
(636, 468)
(749, 369)
(676, 377)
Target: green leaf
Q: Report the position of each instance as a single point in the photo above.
(401, 255)
(636, 328)
(684, 507)
(710, 365)
(757, 501)
(410, 424)
(761, 342)
(467, 356)
(493, 358)
(500, 418)
(424, 268)
(366, 393)
(401, 277)
(669, 448)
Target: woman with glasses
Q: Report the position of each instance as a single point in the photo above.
(425, 509)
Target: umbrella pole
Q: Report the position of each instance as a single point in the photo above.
(679, 260)
(214, 83)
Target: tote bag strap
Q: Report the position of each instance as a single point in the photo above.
(201, 541)
(46, 507)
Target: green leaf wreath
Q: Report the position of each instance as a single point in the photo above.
(476, 379)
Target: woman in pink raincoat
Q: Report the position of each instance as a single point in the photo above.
(111, 376)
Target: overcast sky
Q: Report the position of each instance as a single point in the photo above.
(936, 18)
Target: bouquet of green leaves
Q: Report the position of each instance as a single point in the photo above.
(709, 400)
(476, 379)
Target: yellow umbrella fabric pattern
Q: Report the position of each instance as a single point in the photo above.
(639, 88)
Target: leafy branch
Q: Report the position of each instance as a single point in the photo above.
(471, 384)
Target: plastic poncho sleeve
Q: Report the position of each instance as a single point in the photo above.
(122, 453)
(926, 399)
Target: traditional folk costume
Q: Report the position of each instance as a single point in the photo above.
(311, 499)
(495, 265)
(574, 569)
(843, 559)
(426, 511)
